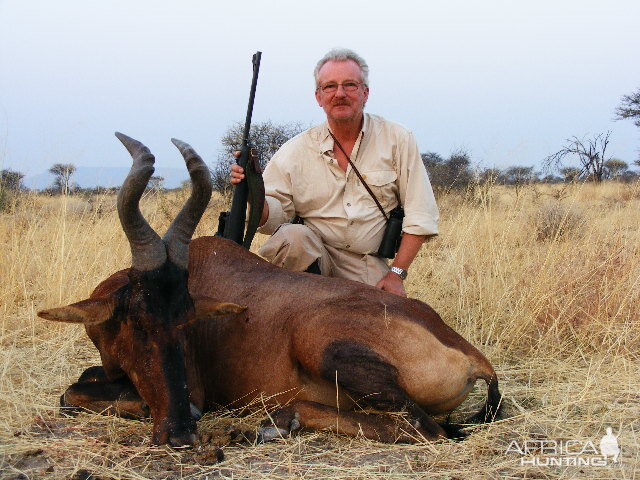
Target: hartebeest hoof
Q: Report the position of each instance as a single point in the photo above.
(196, 414)
(454, 431)
(184, 440)
(279, 425)
(175, 440)
(175, 436)
(67, 409)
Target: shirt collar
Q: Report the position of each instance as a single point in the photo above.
(326, 142)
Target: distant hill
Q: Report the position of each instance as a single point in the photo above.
(88, 177)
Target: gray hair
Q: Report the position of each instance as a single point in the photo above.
(342, 55)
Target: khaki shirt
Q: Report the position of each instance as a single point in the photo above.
(303, 178)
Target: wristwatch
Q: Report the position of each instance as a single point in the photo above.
(399, 271)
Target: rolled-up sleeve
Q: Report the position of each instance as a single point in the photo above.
(416, 195)
(278, 195)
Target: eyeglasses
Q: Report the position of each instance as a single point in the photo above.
(332, 87)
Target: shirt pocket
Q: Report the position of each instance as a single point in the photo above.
(383, 185)
(313, 187)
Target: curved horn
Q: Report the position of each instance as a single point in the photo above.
(147, 250)
(181, 229)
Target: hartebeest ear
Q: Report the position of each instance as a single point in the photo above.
(90, 312)
(207, 307)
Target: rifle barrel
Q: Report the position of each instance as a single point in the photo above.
(252, 96)
(235, 222)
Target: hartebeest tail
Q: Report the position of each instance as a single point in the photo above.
(493, 405)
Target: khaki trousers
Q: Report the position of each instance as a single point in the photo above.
(295, 247)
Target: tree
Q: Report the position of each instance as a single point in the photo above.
(452, 173)
(220, 176)
(570, 174)
(63, 173)
(630, 108)
(10, 186)
(265, 139)
(550, 178)
(431, 160)
(615, 167)
(590, 154)
(629, 176)
(518, 177)
(489, 176)
(10, 180)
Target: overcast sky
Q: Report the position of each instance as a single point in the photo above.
(506, 80)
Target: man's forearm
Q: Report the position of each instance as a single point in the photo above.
(409, 248)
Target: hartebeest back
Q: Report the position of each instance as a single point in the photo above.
(175, 336)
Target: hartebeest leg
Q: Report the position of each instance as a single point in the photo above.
(93, 374)
(370, 380)
(365, 375)
(315, 416)
(95, 393)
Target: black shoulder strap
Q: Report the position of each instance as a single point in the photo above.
(359, 176)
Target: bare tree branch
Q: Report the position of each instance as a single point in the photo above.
(589, 152)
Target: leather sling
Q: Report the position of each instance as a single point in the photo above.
(386, 217)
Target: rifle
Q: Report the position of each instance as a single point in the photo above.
(231, 224)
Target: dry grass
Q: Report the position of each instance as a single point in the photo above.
(546, 284)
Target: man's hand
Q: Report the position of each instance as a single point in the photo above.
(237, 175)
(392, 283)
(409, 246)
(237, 172)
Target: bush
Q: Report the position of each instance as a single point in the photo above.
(554, 221)
(8, 200)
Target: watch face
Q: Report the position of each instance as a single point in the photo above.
(400, 271)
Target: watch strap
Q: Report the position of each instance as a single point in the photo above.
(399, 271)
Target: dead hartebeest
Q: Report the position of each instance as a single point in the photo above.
(174, 338)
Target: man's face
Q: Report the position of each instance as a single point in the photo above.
(342, 106)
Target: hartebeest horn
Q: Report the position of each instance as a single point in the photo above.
(147, 250)
(181, 229)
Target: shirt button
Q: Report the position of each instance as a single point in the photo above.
(348, 204)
